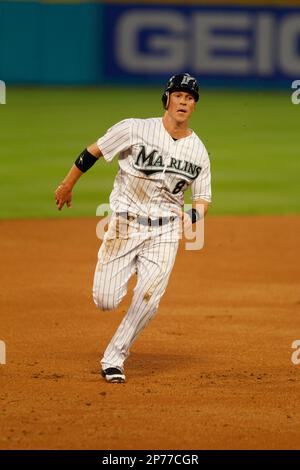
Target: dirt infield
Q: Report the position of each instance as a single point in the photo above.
(213, 370)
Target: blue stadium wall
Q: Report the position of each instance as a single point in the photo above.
(84, 42)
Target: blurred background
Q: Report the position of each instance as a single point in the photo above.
(74, 68)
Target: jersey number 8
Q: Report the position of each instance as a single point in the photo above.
(178, 187)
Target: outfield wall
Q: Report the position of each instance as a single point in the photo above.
(84, 42)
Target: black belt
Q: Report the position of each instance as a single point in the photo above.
(147, 220)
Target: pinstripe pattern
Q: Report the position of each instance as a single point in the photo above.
(152, 166)
(152, 194)
(153, 260)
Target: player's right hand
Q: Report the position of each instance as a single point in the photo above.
(63, 195)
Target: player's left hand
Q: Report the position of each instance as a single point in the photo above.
(63, 195)
(186, 222)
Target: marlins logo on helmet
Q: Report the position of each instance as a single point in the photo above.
(181, 82)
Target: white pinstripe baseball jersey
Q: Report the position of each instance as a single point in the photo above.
(154, 169)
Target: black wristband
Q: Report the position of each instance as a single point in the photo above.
(85, 161)
(194, 215)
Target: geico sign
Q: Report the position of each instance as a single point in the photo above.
(237, 43)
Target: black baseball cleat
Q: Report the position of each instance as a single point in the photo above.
(113, 375)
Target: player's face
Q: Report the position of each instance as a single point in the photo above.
(181, 105)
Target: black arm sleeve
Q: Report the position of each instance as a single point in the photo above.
(194, 215)
(85, 161)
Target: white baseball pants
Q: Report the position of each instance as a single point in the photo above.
(118, 259)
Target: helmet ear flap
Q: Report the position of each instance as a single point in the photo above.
(166, 99)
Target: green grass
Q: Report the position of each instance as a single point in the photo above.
(252, 139)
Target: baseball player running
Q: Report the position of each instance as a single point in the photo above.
(159, 158)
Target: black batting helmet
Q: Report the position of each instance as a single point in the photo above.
(180, 82)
